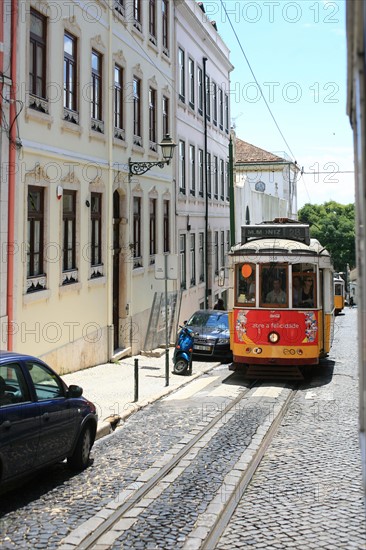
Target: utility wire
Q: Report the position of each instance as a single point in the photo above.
(256, 81)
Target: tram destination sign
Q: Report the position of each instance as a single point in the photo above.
(296, 232)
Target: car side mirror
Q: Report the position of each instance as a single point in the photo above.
(75, 391)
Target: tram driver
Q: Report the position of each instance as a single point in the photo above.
(277, 295)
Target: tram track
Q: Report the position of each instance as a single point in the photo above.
(98, 537)
(223, 519)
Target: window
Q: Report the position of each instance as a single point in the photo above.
(152, 21)
(208, 98)
(96, 229)
(182, 167)
(222, 180)
(137, 257)
(245, 284)
(201, 253)
(69, 232)
(200, 90)
(152, 119)
(209, 171)
(165, 25)
(226, 113)
(273, 285)
(216, 252)
(216, 177)
(228, 240)
(13, 387)
(193, 259)
(152, 230)
(37, 54)
(221, 109)
(46, 384)
(119, 5)
(166, 222)
(137, 13)
(96, 101)
(137, 111)
(222, 249)
(118, 102)
(214, 104)
(35, 237)
(191, 82)
(166, 129)
(181, 75)
(192, 169)
(201, 171)
(304, 286)
(227, 181)
(70, 76)
(182, 253)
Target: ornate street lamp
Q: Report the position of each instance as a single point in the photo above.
(167, 147)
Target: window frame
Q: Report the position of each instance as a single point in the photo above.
(70, 63)
(182, 167)
(165, 115)
(96, 229)
(152, 229)
(66, 247)
(32, 218)
(137, 234)
(165, 26)
(181, 75)
(193, 258)
(137, 122)
(38, 42)
(97, 86)
(152, 118)
(183, 261)
(118, 104)
(166, 225)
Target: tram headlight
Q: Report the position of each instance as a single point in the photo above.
(273, 337)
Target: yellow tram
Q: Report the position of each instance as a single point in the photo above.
(339, 293)
(281, 308)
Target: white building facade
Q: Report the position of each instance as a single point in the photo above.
(95, 87)
(201, 178)
(265, 186)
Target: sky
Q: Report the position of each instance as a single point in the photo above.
(297, 53)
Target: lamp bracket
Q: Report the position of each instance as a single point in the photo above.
(138, 168)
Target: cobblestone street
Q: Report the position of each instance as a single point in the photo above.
(306, 493)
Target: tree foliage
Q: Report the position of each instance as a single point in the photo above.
(333, 224)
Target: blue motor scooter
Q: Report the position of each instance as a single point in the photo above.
(183, 352)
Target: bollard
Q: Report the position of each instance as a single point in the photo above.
(136, 380)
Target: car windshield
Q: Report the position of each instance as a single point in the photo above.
(209, 319)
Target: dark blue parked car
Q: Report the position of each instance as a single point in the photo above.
(42, 421)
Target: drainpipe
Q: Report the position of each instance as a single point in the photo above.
(11, 172)
(206, 182)
(231, 193)
(110, 334)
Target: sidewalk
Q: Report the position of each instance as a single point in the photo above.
(111, 386)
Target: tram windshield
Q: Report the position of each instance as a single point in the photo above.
(279, 285)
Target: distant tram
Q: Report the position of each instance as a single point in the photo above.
(281, 309)
(339, 293)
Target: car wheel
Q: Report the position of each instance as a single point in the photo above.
(80, 458)
(180, 366)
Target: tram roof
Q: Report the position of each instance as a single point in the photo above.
(282, 247)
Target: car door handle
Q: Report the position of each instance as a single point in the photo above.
(46, 416)
(6, 424)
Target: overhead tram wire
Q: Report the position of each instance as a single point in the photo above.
(256, 81)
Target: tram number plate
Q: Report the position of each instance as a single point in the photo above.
(202, 348)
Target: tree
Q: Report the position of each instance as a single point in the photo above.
(333, 224)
